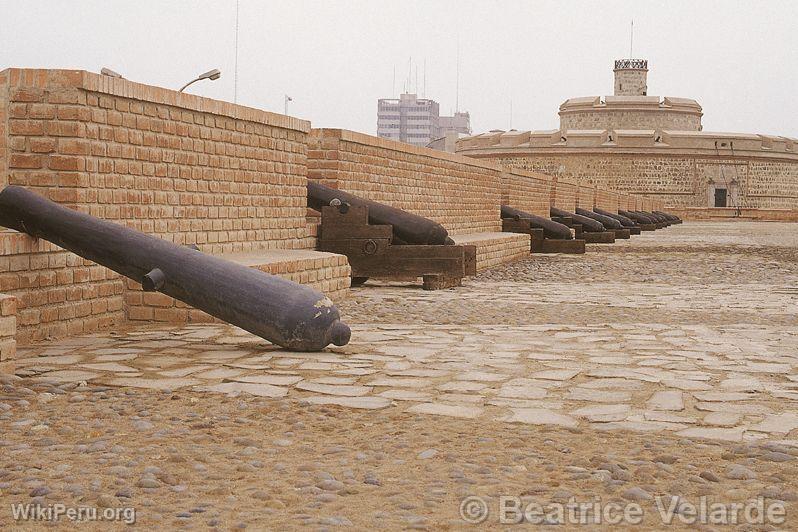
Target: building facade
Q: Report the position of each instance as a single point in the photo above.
(417, 121)
(654, 147)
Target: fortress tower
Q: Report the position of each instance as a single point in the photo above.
(630, 77)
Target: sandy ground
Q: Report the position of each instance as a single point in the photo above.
(644, 376)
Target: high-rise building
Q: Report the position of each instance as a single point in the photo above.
(416, 120)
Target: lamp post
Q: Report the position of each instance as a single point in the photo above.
(212, 75)
(285, 104)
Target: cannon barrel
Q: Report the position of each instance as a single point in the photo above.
(407, 227)
(656, 217)
(626, 222)
(606, 221)
(589, 225)
(671, 217)
(551, 229)
(283, 312)
(637, 217)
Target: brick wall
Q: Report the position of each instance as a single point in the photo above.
(185, 168)
(8, 330)
(607, 199)
(564, 193)
(586, 197)
(460, 193)
(527, 191)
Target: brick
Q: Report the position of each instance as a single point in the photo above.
(26, 127)
(66, 163)
(42, 145)
(24, 160)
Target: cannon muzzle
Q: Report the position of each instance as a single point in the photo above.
(283, 312)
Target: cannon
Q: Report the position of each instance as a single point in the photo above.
(285, 313)
(627, 223)
(589, 225)
(592, 231)
(546, 236)
(551, 229)
(610, 223)
(388, 243)
(672, 217)
(659, 220)
(646, 223)
(407, 227)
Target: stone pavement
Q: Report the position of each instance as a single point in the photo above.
(687, 331)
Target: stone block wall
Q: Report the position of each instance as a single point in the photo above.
(458, 192)
(187, 169)
(679, 168)
(527, 191)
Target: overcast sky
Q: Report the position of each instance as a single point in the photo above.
(738, 59)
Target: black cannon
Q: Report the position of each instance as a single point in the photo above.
(627, 223)
(659, 220)
(611, 224)
(606, 221)
(646, 223)
(407, 227)
(551, 229)
(589, 225)
(283, 312)
(672, 217)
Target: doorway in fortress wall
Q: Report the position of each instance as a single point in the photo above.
(722, 182)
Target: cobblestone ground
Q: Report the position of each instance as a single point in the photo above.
(653, 372)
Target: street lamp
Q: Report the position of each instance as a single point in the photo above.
(211, 75)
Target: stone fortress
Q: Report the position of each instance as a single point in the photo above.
(655, 147)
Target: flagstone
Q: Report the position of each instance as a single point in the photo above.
(600, 396)
(603, 413)
(155, 384)
(556, 374)
(67, 375)
(778, 423)
(110, 366)
(722, 396)
(275, 380)
(666, 400)
(182, 372)
(369, 403)
(219, 373)
(440, 409)
(330, 389)
(406, 395)
(539, 416)
(232, 388)
(725, 434)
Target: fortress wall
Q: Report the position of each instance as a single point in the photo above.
(461, 193)
(607, 199)
(184, 168)
(565, 191)
(586, 196)
(526, 191)
(679, 181)
(612, 119)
